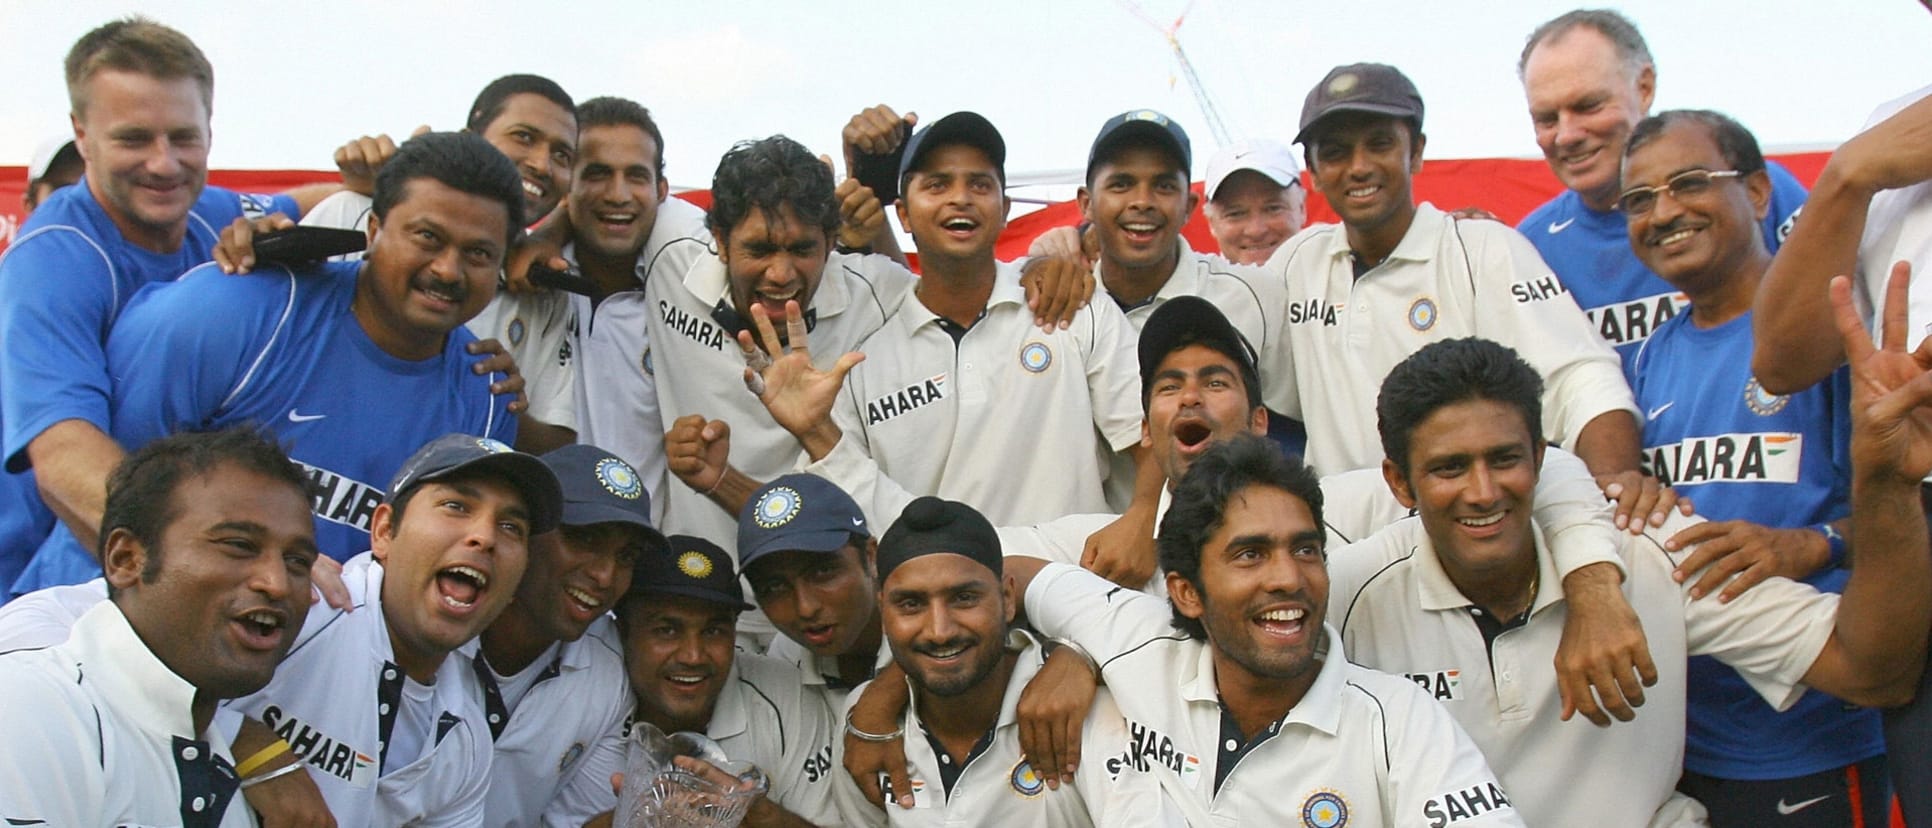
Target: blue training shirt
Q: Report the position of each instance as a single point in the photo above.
(63, 282)
(1590, 253)
(1780, 461)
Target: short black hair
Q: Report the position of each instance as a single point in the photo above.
(491, 101)
(1738, 146)
(614, 111)
(1448, 372)
(1632, 52)
(767, 175)
(459, 160)
(141, 489)
(1201, 498)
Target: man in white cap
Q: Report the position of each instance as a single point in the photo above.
(1255, 199)
(56, 164)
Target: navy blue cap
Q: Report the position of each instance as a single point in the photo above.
(969, 128)
(1375, 88)
(798, 513)
(599, 487)
(1189, 320)
(452, 454)
(689, 566)
(1141, 122)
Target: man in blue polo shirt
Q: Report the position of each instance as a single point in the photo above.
(141, 95)
(1589, 79)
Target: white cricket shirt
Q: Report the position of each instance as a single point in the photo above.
(563, 739)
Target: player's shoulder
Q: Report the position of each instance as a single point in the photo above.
(1554, 210)
(601, 647)
(1368, 692)
(769, 675)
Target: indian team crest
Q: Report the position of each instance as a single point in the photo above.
(1035, 357)
(491, 445)
(517, 331)
(619, 478)
(645, 363)
(1343, 84)
(570, 757)
(1026, 782)
(1324, 809)
(1422, 314)
(777, 507)
(1149, 115)
(1762, 403)
(695, 564)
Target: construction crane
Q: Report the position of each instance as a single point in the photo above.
(1201, 98)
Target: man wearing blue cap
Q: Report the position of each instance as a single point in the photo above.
(679, 622)
(946, 377)
(552, 666)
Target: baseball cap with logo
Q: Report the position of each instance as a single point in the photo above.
(798, 513)
(1270, 158)
(50, 151)
(689, 566)
(451, 454)
(1375, 88)
(968, 128)
(599, 487)
(1136, 123)
(1191, 320)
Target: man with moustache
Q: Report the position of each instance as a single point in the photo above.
(552, 665)
(354, 363)
(1394, 276)
(141, 95)
(534, 123)
(207, 546)
(1771, 471)
(946, 612)
(1589, 78)
(381, 701)
(679, 625)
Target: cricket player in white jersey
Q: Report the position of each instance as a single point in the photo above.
(679, 624)
(382, 703)
(207, 546)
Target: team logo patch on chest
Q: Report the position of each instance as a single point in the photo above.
(517, 331)
(570, 757)
(1324, 809)
(915, 396)
(1761, 402)
(1026, 782)
(1036, 357)
(1422, 314)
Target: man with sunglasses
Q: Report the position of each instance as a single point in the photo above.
(1589, 79)
(1772, 472)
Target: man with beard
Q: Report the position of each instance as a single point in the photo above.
(946, 613)
(141, 94)
(1589, 79)
(552, 665)
(1263, 718)
(353, 363)
(379, 702)
(679, 624)
(534, 123)
(207, 546)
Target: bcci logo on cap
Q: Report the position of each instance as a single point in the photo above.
(1343, 84)
(1149, 115)
(777, 507)
(492, 446)
(695, 564)
(619, 478)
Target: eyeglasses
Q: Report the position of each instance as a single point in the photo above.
(1638, 201)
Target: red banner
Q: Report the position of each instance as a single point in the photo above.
(1507, 187)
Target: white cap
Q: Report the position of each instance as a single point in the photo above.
(46, 153)
(1270, 158)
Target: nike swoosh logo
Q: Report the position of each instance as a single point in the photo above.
(1654, 413)
(1787, 810)
(1558, 226)
(294, 417)
(858, 521)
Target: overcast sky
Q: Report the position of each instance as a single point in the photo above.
(296, 79)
